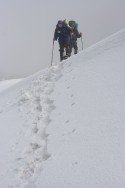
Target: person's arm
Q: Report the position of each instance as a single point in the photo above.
(55, 34)
(78, 34)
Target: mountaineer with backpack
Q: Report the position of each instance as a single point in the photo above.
(74, 35)
(62, 34)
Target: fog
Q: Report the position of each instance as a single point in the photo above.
(27, 28)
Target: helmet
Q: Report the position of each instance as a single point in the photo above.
(72, 23)
(60, 23)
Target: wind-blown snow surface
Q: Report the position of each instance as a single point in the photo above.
(64, 127)
(7, 83)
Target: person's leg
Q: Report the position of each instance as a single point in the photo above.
(68, 46)
(75, 47)
(61, 51)
(68, 51)
(71, 47)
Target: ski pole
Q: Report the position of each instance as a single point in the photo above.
(52, 53)
(82, 42)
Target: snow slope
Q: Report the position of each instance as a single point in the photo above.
(64, 127)
(7, 83)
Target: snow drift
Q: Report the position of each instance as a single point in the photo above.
(64, 126)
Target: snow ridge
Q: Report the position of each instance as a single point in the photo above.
(36, 103)
(32, 102)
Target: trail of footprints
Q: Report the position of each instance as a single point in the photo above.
(35, 101)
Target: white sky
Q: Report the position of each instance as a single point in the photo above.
(27, 27)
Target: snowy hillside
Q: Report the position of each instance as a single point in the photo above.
(7, 83)
(64, 127)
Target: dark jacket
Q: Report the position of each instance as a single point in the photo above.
(74, 35)
(62, 34)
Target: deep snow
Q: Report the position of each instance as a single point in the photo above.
(64, 126)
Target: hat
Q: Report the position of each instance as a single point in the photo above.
(60, 23)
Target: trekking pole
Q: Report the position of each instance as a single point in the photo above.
(82, 42)
(52, 53)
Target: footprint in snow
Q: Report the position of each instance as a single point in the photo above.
(18, 159)
(75, 163)
(35, 130)
(71, 70)
(69, 133)
(35, 146)
(73, 104)
(49, 101)
(67, 121)
(57, 77)
(73, 130)
(68, 87)
(49, 91)
(69, 65)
